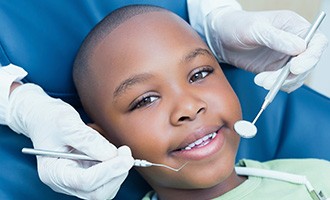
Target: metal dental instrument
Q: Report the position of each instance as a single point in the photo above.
(74, 156)
(247, 129)
(144, 163)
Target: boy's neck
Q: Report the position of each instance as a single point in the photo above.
(208, 193)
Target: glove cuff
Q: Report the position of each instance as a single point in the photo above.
(8, 74)
(226, 5)
(210, 22)
(24, 103)
(199, 9)
(209, 6)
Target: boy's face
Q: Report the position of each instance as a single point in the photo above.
(163, 94)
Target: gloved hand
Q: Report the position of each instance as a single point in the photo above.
(260, 42)
(54, 125)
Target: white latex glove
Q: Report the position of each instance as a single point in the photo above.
(260, 42)
(54, 125)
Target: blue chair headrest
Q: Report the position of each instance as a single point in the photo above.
(44, 36)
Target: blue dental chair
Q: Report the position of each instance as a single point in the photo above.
(44, 36)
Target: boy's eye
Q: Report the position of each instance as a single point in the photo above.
(142, 102)
(200, 74)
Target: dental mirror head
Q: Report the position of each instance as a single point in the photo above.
(245, 129)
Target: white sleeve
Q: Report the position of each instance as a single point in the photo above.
(8, 75)
(199, 9)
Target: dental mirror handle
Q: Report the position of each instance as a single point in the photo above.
(286, 70)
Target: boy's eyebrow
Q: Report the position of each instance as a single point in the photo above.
(129, 82)
(196, 52)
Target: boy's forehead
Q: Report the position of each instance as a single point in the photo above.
(153, 36)
(147, 27)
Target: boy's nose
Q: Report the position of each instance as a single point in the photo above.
(187, 108)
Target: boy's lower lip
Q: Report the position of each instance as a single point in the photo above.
(202, 152)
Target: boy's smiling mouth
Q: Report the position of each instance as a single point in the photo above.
(202, 147)
(200, 142)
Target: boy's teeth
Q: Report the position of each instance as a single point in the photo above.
(206, 137)
(200, 141)
(213, 135)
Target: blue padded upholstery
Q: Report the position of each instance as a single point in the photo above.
(44, 36)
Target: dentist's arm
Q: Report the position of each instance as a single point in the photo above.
(259, 42)
(52, 124)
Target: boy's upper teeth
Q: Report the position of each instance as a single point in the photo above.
(200, 141)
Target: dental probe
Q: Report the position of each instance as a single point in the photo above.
(74, 156)
(247, 129)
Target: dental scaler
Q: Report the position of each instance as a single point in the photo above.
(247, 129)
(74, 156)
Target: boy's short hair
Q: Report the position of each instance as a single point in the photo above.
(82, 74)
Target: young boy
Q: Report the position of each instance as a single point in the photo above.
(149, 81)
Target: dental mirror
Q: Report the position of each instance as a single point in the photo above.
(245, 129)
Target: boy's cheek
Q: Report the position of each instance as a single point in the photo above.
(143, 144)
(149, 147)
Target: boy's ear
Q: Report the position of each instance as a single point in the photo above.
(96, 127)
